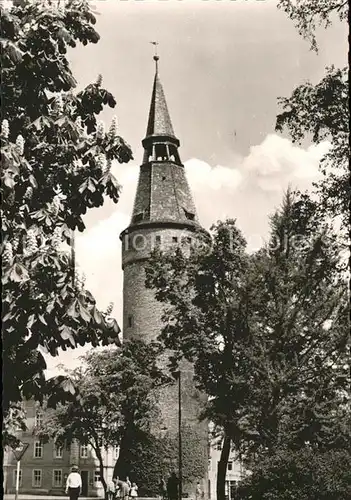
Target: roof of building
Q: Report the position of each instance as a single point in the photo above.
(163, 194)
(159, 122)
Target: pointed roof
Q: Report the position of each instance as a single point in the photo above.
(163, 197)
(159, 122)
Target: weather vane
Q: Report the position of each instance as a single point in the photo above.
(155, 44)
(156, 58)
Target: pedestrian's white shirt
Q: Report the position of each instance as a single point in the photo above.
(74, 480)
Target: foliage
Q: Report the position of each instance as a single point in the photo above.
(307, 15)
(146, 458)
(115, 392)
(321, 111)
(56, 163)
(267, 332)
(302, 475)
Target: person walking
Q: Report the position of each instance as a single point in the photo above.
(198, 492)
(111, 490)
(74, 484)
(129, 485)
(117, 490)
(133, 491)
(172, 487)
(123, 489)
(162, 488)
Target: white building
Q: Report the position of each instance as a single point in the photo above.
(235, 473)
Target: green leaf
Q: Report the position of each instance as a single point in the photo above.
(72, 310)
(84, 313)
(67, 334)
(97, 315)
(31, 321)
(7, 316)
(8, 180)
(19, 273)
(42, 319)
(89, 184)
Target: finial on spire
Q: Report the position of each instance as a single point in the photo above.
(156, 57)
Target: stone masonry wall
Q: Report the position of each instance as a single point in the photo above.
(142, 318)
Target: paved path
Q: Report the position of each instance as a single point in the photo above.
(42, 497)
(48, 497)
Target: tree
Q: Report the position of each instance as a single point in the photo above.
(116, 393)
(304, 474)
(56, 164)
(321, 111)
(147, 457)
(266, 332)
(307, 15)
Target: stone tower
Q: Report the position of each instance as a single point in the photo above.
(164, 214)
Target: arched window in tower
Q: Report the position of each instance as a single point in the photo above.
(161, 152)
(173, 152)
(138, 217)
(189, 215)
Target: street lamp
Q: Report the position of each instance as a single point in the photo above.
(180, 435)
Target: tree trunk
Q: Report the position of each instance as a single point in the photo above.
(222, 467)
(101, 469)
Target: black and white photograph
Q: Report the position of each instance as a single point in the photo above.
(175, 249)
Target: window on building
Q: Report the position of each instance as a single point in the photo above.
(38, 449)
(189, 215)
(188, 240)
(36, 478)
(138, 217)
(230, 465)
(233, 490)
(174, 156)
(209, 488)
(115, 452)
(175, 239)
(58, 453)
(15, 477)
(96, 476)
(139, 242)
(57, 478)
(161, 152)
(38, 420)
(158, 239)
(130, 321)
(209, 464)
(83, 451)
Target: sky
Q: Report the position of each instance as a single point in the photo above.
(223, 64)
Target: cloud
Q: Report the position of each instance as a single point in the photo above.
(277, 162)
(202, 175)
(248, 190)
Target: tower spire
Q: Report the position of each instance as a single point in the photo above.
(159, 123)
(163, 193)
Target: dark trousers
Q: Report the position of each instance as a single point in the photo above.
(73, 493)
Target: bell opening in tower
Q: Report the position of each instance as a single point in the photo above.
(161, 151)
